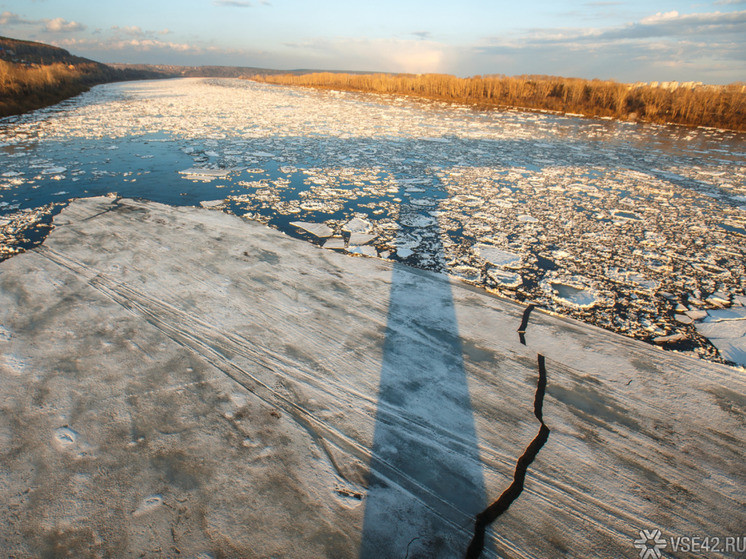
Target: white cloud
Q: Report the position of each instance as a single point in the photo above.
(9, 18)
(231, 3)
(60, 25)
(386, 55)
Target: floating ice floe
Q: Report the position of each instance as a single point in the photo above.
(205, 175)
(357, 225)
(361, 238)
(467, 273)
(505, 279)
(318, 229)
(365, 250)
(211, 203)
(570, 291)
(335, 243)
(496, 256)
(417, 220)
(726, 329)
(53, 170)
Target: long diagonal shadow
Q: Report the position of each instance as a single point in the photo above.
(425, 450)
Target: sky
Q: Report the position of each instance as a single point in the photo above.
(624, 40)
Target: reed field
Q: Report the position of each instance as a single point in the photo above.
(689, 103)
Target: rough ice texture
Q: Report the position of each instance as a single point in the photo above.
(639, 210)
(182, 382)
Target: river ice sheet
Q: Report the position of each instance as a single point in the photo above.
(642, 219)
(178, 382)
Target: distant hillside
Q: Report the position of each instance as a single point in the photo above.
(28, 52)
(170, 71)
(34, 75)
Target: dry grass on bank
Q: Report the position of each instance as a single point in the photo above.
(24, 88)
(688, 104)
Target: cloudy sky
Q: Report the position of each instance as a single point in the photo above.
(625, 40)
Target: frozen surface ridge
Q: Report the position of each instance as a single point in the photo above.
(181, 382)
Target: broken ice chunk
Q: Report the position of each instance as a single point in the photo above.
(726, 330)
(505, 279)
(683, 319)
(211, 203)
(196, 173)
(366, 250)
(357, 225)
(335, 243)
(496, 256)
(672, 339)
(417, 220)
(361, 238)
(571, 292)
(318, 229)
(696, 315)
(468, 273)
(53, 170)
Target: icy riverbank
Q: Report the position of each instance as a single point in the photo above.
(179, 381)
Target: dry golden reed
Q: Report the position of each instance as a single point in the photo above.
(687, 104)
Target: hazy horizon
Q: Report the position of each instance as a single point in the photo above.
(627, 40)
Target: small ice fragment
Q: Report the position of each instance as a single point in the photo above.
(417, 220)
(495, 256)
(696, 315)
(318, 229)
(357, 225)
(402, 252)
(335, 243)
(527, 218)
(205, 174)
(54, 170)
(574, 296)
(506, 279)
(683, 319)
(672, 339)
(361, 238)
(365, 250)
(468, 273)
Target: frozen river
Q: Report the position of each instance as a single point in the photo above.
(639, 229)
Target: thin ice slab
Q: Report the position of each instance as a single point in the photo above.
(181, 382)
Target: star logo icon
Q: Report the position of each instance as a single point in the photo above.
(650, 544)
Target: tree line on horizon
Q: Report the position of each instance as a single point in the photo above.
(687, 104)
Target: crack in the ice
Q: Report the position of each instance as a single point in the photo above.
(492, 512)
(524, 323)
(409, 544)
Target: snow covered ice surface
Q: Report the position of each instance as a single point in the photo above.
(181, 382)
(650, 217)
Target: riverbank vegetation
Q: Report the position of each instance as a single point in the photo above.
(34, 75)
(692, 104)
(24, 88)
